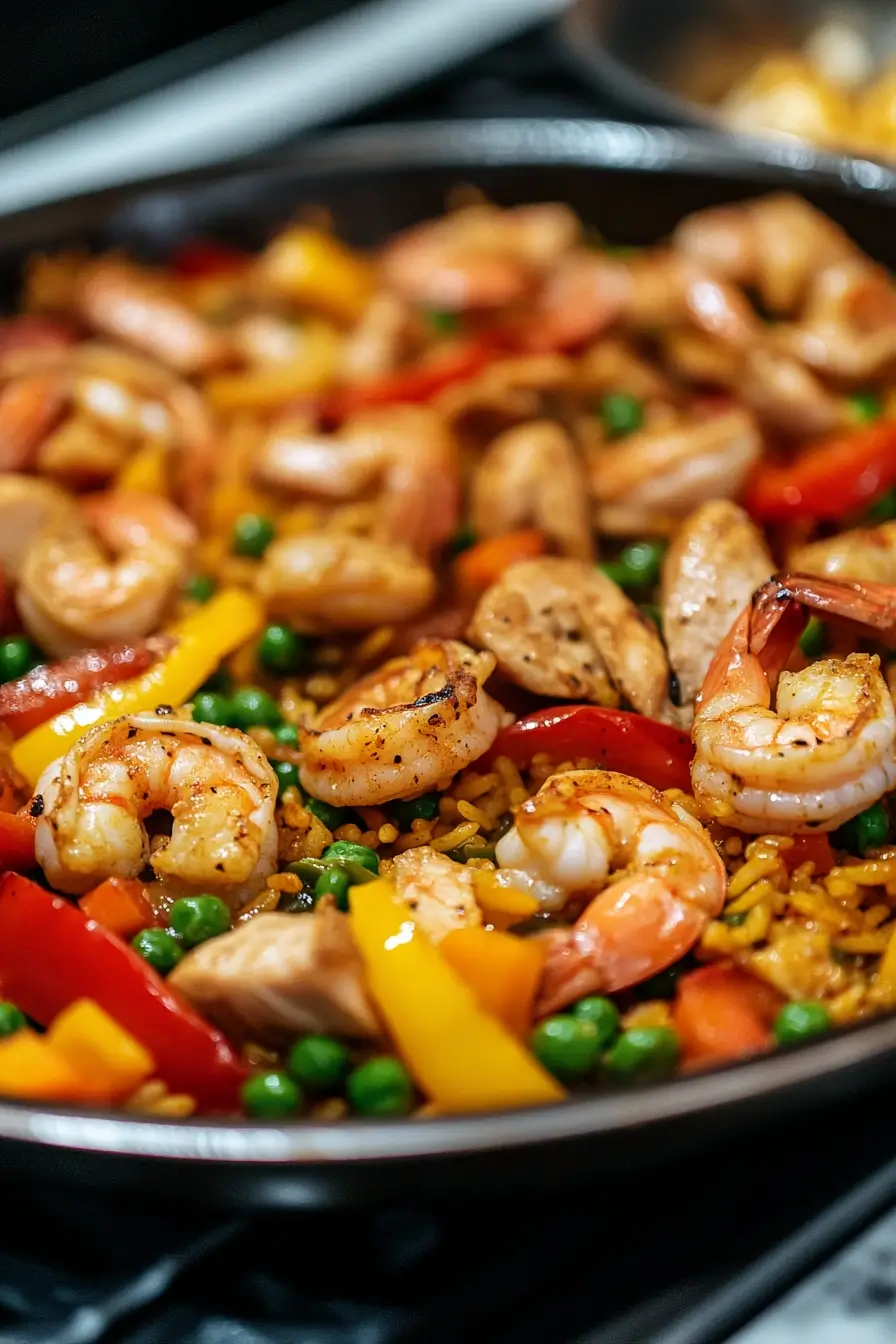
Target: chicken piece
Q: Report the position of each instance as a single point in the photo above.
(716, 561)
(439, 891)
(279, 975)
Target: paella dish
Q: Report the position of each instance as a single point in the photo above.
(445, 677)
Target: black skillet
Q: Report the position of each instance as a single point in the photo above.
(633, 184)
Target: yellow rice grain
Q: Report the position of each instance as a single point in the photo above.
(369, 839)
(872, 873)
(509, 775)
(886, 972)
(759, 891)
(449, 810)
(153, 1098)
(475, 786)
(386, 834)
(375, 645)
(876, 914)
(733, 846)
(752, 871)
(815, 906)
(864, 944)
(845, 1007)
(322, 687)
(465, 831)
(349, 832)
(471, 813)
(330, 1108)
(291, 883)
(654, 1013)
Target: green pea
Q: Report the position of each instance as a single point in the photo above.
(195, 919)
(346, 849)
(252, 707)
(270, 1096)
(621, 414)
(200, 588)
(281, 651)
(643, 1052)
(735, 919)
(320, 1063)
(252, 535)
(220, 682)
(800, 1022)
(17, 656)
(567, 1046)
(883, 510)
(335, 882)
(160, 949)
(12, 1019)
(814, 639)
(287, 734)
(381, 1087)
(865, 406)
(287, 776)
(443, 321)
(638, 565)
(462, 540)
(602, 1014)
(424, 808)
(211, 707)
(332, 817)
(866, 831)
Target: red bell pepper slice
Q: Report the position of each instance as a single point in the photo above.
(616, 739)
(814, 849)
(205, 258)
(28, 332)
(52, 955)
(16, 840)
(49, 689)
(451, 363)
(829, 479)
(722, 1013)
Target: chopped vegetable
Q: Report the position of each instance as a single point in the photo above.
(797, 1022)
(206, 258)
(201, 640)
(287, 776)
(281, 651)
(567, 1046)
(621, 414)
(159, 948)
(48, 689)
(332, 817)
(335, 882)
(453, 362)
(463, 1058)
(16, 840)
(79, 959)
(478, 567)
(866, 407)
(268, 387)
(252, 707)
(866, 831)
(638, 565)
(721, 1013)
(98, 1048)
(32, 1070)
(443, 321)
(381, 1087)
(195, 919)
(271, 1095)
(814, 849)
(643, 1052)
(603, 1016)
(814, 639)
(210, 707)
(502, 970)
(346, 849)
(316, 270)
(827, 480)
(252, 535)
(883, 510)
(320, 1063)
(146, 470)
(17, 656)
(424, 808)
(287, 734)
(615, 738)
(12, 1019)
(120, 905)
(200, 588)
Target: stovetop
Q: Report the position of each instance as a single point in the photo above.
(743, 1243)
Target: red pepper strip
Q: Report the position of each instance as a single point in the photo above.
(814, 849)
(203, 259)
(51, 955)
(615, 738)
(25, 332)
(829, 479)
(16, 840)
(420, 382)
(723, 1013)
(48, 690)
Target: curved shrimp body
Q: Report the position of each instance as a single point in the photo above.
(405, 728)
(215, 782)
(405, 452)
(70, 594)
(827, 750)
(862, 553)
(653, 875)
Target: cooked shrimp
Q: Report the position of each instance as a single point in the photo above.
(26, 506)
(439, 891)
(405, 451)
(776, 244)
(71, 594)
(532, 476)
(122, 302)
(828, 748)
(847, 327)
(612, 365)
(716, 560)
(507, 390)
(561, 628)
(29, 409)
(215, 782)
(862, 553)
(404, 729)
(330, 580)
(478, 257)
(651, 479)
(380, 339)
(651, 869)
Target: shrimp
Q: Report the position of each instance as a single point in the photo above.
(561, 628)
(331, 580)
(828, 749)
(380, 340)
(215, 782)
(862, 553)
(651, 871)
(405, 450)
(29, 409)
(717, 559)
(440, 892)
(507, 390)
(847, 328)
(26, 506)
(654, 477)
(122, 302)
(478, 257)
(71, 595)
(532, 476)
(402, 730)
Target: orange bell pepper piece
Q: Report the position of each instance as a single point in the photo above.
(98, 1048)
(481, 565)
(722, 1013)
(120, 905)
(502, 970)
(32, 1071)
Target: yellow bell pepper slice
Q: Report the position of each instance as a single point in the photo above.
(146, 470)
(32, 1070)
(496, 899)
(98, 1048)
(463, 1058)
(202, 639)
(315, 269)
(263, 389)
